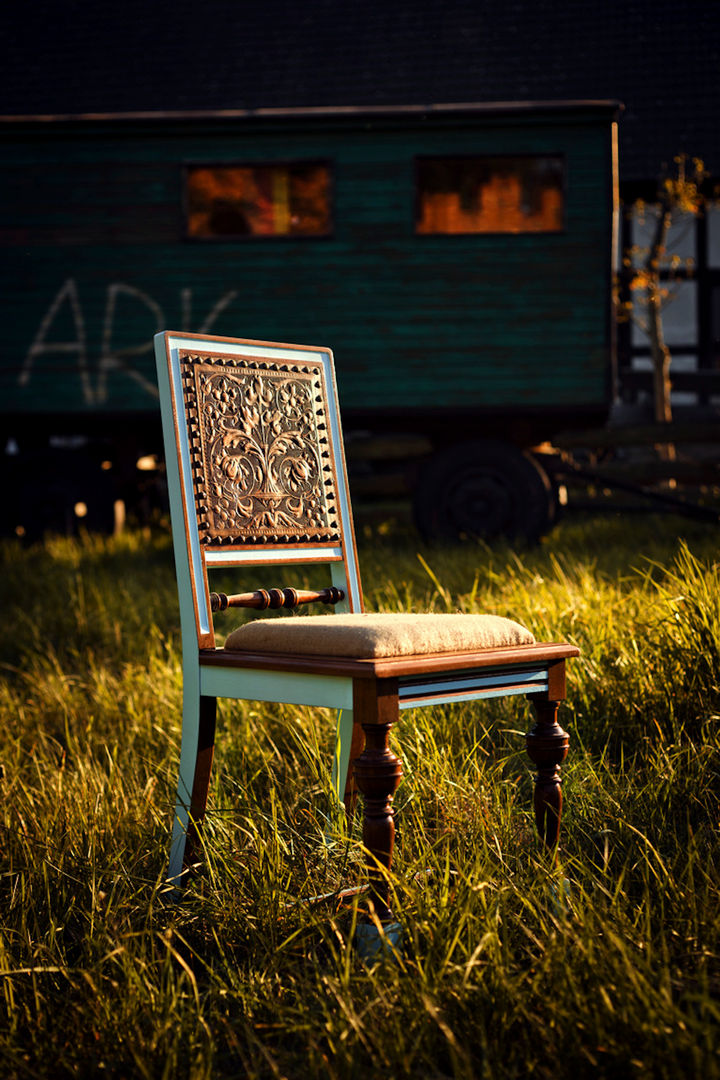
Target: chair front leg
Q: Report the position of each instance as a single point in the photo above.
(547, 746)
(377, 775)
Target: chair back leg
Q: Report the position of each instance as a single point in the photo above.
(343, 757)
(196, 757)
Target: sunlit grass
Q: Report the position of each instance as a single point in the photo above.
(607, 965)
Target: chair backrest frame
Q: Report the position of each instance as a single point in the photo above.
(224, 454)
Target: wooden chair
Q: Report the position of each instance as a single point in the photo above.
(256, 477)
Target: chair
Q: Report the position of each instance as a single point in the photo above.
(256, 477)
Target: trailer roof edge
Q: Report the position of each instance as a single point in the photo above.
(329, 111)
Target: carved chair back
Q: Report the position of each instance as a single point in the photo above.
(256, 470)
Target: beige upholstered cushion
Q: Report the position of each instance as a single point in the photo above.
(369, 636)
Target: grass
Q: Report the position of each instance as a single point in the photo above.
(608, 965)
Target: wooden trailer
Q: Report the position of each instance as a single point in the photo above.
(456, 258)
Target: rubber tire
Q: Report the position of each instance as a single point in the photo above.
(483, 490)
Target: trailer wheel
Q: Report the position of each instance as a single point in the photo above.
(483, 490)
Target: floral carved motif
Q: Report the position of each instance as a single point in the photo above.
(262, 465)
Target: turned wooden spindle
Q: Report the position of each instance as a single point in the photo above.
(276, 598)
(547, 745)
(377, 775)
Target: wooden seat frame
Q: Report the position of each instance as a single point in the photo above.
(210, 388)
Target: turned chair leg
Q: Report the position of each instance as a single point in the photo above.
(547, 746)
(377, 774)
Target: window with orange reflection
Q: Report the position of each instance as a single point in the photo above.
(235, 201)
(489, 194)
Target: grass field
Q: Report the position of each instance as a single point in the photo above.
(608, 965)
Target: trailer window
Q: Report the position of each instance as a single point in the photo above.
(489, 194)
(232, 201)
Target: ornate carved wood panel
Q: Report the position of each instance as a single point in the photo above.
(262, 464)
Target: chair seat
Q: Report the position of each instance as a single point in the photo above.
(368, 636)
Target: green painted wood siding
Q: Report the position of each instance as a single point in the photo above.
(91, 221)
